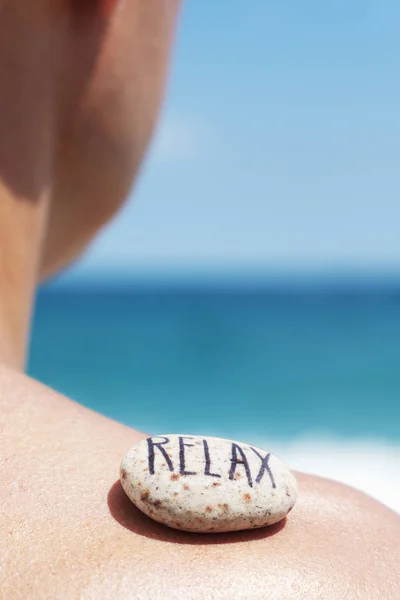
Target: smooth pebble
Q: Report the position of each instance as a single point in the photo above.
(207, 484)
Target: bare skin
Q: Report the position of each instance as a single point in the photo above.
(80, 91)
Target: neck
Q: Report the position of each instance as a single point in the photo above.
(21, 233)
(26, 150)
(37, 83)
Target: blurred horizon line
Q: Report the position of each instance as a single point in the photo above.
(290, 279)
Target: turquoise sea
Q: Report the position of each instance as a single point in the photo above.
(313, 372)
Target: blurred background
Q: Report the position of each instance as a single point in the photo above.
(251, 286)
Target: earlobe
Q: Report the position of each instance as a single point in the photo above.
(107, 6)
(93, 7)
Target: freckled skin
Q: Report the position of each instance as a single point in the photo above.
(80, 94)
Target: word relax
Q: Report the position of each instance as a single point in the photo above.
(238, 459)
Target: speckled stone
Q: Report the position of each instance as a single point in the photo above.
(207, 484)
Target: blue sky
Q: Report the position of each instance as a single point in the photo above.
(278, 147)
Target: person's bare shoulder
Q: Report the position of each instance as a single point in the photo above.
(68, 531)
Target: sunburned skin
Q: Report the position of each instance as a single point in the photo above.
(80, 94)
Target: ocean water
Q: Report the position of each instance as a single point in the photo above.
(312, 375)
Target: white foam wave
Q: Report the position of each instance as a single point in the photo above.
(372, 466)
